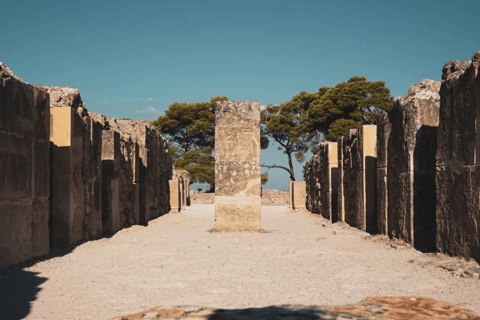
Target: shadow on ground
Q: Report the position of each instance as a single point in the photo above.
(19, 288)
(395, 308)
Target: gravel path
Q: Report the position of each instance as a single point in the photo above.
(174, 261)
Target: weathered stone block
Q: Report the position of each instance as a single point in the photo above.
(298, 195)
(357, 184)
(41, 229)
(237, 166)
(110, 181)
(24, 170)
(384, 127)
(16, 236)
(321, 180)
(410, 162)
(457, 173)
(175, 196)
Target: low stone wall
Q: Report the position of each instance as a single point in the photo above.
(273, 196)
(201, 197)
(69, 175)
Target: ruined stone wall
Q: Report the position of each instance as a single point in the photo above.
(407, 146)
(357, 157)
(76, 198)
(237, 165)
(24, 170)
(457, 157)
(321, 179)
(68, 175)
(201, 197)
(273, 196)
(144, 168)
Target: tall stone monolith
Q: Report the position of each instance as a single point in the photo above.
(458, 160)
(237, 166)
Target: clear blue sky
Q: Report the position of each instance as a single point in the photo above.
(133, 59)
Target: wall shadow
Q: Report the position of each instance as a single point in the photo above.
(424, 188)
(333, 186)
(371, 194)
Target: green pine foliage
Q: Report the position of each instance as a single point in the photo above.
(190, 129)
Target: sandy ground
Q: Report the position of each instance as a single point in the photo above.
(175, 261)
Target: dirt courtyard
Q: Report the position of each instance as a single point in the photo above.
(174, 261)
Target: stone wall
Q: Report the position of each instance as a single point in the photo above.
(145, 167)
(237, 166)
(273, 196)
(24, 170)
(406, 148)
(201, 197)
(357, 165)
(69, 175)
(321, 179)
(424, 182)
(457, 158)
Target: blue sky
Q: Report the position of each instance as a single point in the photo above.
(133, 59)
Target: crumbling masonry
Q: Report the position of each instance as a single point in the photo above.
(68, 175)
(237, 166)
(420, 181)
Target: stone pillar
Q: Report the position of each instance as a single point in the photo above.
(368, 136)
(67, 184)
(328, 180)
(110, 182)
(384, 128)
(340, 188)
(298, 195)
(237, 166)
(136, 184)
(358, 178)
(410, 165)
(458, 161)
(175, 196)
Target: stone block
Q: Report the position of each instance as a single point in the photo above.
(298, 195)
(40, 228)
(237, 166)
(384, 128)
(238, 213)
(16, 162)
(175, 196)
(110, 181)
(409, 159)
(357, 179)
(15, 233)
(457, 158)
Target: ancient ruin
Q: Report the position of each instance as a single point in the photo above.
(415, 176)
(457, 160)
(237, 166)
(24, 170)
(406, 149)
(179, 190)
(70, 175)
(357, 159)
(322, 182)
